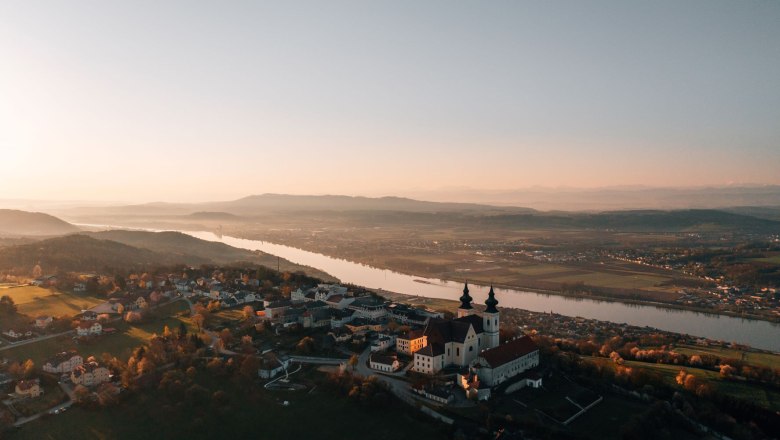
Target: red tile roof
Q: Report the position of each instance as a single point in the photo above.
(508, 352)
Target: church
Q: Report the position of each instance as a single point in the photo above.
(458, 342)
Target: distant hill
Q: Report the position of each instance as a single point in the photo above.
(259, 205)
(211, 215)
(617, 198)
(132, 249)
(645, 220)
(76, 253)
(177, 245)
(14, 223)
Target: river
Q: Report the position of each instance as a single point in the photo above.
(759, 334)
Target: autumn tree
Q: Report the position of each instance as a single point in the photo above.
(353, 361)
(249, 367)
(7, 306)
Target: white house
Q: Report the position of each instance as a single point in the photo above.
(86, 328)
(382, 362)
(63, 362)
(43, 321)
(272, 364)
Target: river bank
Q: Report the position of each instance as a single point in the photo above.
(574, 295)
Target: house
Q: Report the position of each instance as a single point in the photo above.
(429, 359)
(382, 343)
(383, 362)
(339, 301)
(339, 318)
(410, 342)
(276, 308)
(43, 321)
(272, 364)
(369, 307)
(141, 302)
(315, 318)
(363, 325)
(86, 328)
(28, 389)
(90, 374)
(341, 334)
(18, 334)
(497, 365)
(63, 362)
(45, 281)
(437, 394)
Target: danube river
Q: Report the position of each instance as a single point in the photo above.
(759, 334)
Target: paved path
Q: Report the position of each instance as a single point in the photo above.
(34, 340)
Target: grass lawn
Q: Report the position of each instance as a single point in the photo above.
(741, 390)
(247, 414)
(119, 344)
(34, 301)
(52, 396)
(771, 360)
(603, 421)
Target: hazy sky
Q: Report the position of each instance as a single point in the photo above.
(191, 100)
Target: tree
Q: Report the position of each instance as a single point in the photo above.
(226, 336)
(37, 272)
(199, 319)
(7, 306)
(248, 312)
(305, 345)
(249, 367)
(28, 369)
(182, 332)
(353, 361)
(82, 394)
(167, 332)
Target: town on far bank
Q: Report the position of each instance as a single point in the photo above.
(463, 369)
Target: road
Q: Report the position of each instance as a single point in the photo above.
(34, 340)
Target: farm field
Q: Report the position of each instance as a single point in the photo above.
(756, 393)
(119, 344)
(33, 301)
(771, 360)
(253, 414)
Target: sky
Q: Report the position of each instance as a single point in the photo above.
(194, 100)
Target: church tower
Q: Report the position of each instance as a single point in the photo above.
(465, 308)
(490, 321)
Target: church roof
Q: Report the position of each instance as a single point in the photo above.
(491, 302)
(514, 349)
(456, 330)
(465, 299)
(431, 350)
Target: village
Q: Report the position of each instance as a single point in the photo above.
(449, 358)
(443, 363)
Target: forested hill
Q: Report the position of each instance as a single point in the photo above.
(98, 251)
(14, 223)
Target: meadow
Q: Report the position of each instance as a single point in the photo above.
(34, 301)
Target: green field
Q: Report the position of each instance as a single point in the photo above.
(248, 414)
(33, 301)
(771, 360)
(741, 390)
(119, 344)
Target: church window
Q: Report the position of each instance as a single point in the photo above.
(471, 348)
(457, 351)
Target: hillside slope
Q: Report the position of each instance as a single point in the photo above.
(14, 223)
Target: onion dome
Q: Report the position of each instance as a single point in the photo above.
(465, 300)
(491, 302)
